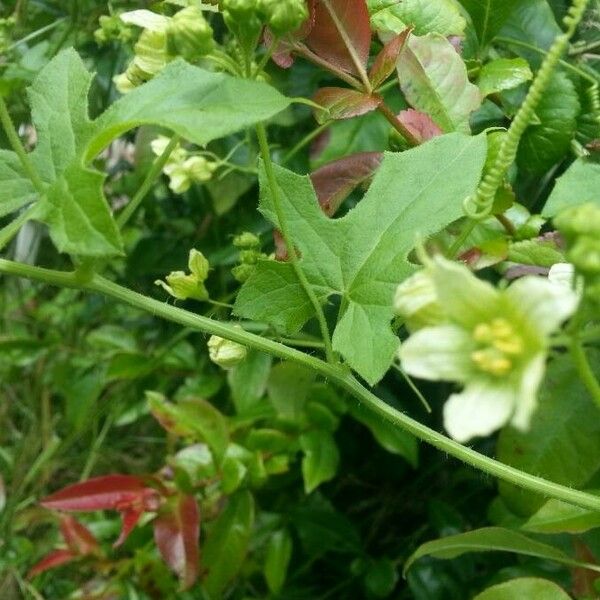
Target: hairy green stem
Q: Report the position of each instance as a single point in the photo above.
(289, 244)
(17, 146)
(336, 374)
(148, 182)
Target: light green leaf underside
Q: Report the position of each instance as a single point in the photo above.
(489, 539)
(434, 80)
(75, 209)
(525, 587)
(580, 184)
(16, 190)
(197, 104)
(363, 256)
(426, 16)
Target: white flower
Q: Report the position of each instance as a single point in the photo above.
(494, 342)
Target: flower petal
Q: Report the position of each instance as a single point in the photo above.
(527, 399)
(543, 303)
(464, 298)
(438, 353)
(483, 407)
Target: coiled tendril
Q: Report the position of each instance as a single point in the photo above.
(479, 206)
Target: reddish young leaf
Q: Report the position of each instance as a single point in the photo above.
(78, 537)
(334, 181)
(176, 534)
(341, 33)
(56, 558)
(343, 103)
(109, 492)
(419, 124)
(385, 63)
(126, 494)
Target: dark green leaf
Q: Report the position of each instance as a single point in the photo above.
(288, 388)
(489, 16)
(392, 438)
(321, 458)
(489, 539)
(226, 544)
(279, 553)
(559, 517)
(544, 144)
(563, 443)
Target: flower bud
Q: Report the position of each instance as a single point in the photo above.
(189, 35)
(246, 241)
(416, 301)
(579, 220)
(225, 353)
(242, 272)
(283, 16)
(585, 255)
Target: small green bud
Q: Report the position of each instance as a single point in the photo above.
(189, 35)
(579, 220)
(585, 255)
(246, 241)
(243, 272)
(416, 301)
(243, 20)
(112, 28)
(283, 16)
(225, 353)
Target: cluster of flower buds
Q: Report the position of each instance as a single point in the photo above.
(246, 18)
(113, 29)
(182, 285)
(250, 254)
(580, 227)
(186, 34)
(182, 167)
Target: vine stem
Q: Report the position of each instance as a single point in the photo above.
(17, 146)
(336, 374)
(148, 182)
(289, 244)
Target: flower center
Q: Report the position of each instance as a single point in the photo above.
(498, 346)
